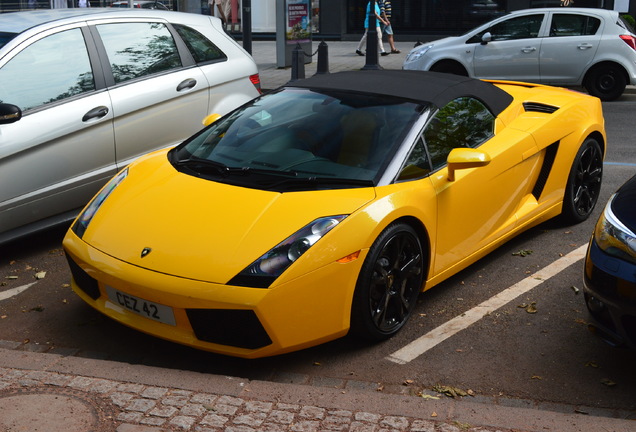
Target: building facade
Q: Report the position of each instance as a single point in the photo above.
(344, 19)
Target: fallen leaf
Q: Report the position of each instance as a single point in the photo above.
(11, 277)
(408, 382)
(449, 391)
(522, 253)
(427, 396)
(592, 364)
(3, 317)
(433, 414)
(532, 308)
(575, 289)
(40, 275)
(317, 364)
(608, 382)
(537, 377)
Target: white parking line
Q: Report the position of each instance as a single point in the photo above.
(421, 345)
(15, 291)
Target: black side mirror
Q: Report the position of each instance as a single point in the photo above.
(9, 113)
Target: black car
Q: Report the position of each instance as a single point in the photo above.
(610, 270)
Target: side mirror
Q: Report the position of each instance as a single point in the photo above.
(464, 158)
(487, 37)
(9, 113)
(207, 121)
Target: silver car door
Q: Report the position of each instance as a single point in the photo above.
(61, 151)
(570, 47)
(513, 51)
(158, 102)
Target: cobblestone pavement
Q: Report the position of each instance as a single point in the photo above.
(129, 407)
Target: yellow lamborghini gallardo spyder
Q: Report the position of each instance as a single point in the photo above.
(326, 206)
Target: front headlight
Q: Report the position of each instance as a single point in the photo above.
(416, 53)
(262, 272)
(613, 237)
(82, 221)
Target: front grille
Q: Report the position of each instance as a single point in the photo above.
(83, 280)
(232, 327)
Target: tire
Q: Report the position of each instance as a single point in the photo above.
(389, 283)
(607, 82)
(450, 67)
(584, 183)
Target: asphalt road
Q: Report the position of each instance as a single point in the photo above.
(547, 356)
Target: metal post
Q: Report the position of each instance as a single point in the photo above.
(323, 59)
(298, 63)
(247, 25)
(372, 40)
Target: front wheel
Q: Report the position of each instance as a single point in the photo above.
(389, 283)
(584, 183)
(607, 82)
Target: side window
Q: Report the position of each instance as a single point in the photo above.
(573, 25)
(139, 49)
(523, 27)
(463, 122)
(51, 69)
(417, 165)
(202, 49)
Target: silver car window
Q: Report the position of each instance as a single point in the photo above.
(49, 70)
(573, 25)
(139, 49)
(202, 49)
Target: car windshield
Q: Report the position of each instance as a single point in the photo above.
(5, 37)
(299, 139)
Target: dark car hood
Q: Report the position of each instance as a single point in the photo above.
(624, 207)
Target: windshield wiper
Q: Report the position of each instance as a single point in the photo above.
(224, 170)
(312, 182)
(206, 163)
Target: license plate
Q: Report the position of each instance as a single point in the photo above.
(145, 308)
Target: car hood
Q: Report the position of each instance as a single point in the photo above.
(435, 44)
(201, 229)
(623, 204)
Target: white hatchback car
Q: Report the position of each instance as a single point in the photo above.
(83, 92)
(563, 46)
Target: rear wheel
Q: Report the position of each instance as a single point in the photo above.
(389, 283)
(606, 81)
(584, 182)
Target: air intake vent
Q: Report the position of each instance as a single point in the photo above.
(539, 107)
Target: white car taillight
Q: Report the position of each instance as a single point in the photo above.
(629, 40)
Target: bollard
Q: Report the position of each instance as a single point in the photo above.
(298, 64)
(323, 59)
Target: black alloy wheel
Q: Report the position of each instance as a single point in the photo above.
(607, 82)
(584, 183)
(389, 284)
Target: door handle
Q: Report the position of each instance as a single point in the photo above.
(186, 84)
(95, 113)
(584, 46)
(528, 49)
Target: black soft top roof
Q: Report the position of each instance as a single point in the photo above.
(436, 88)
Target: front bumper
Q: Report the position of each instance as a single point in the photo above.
(237, 321)
(610, 295)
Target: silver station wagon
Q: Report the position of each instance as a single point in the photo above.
(563, 46)
(83, 92)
